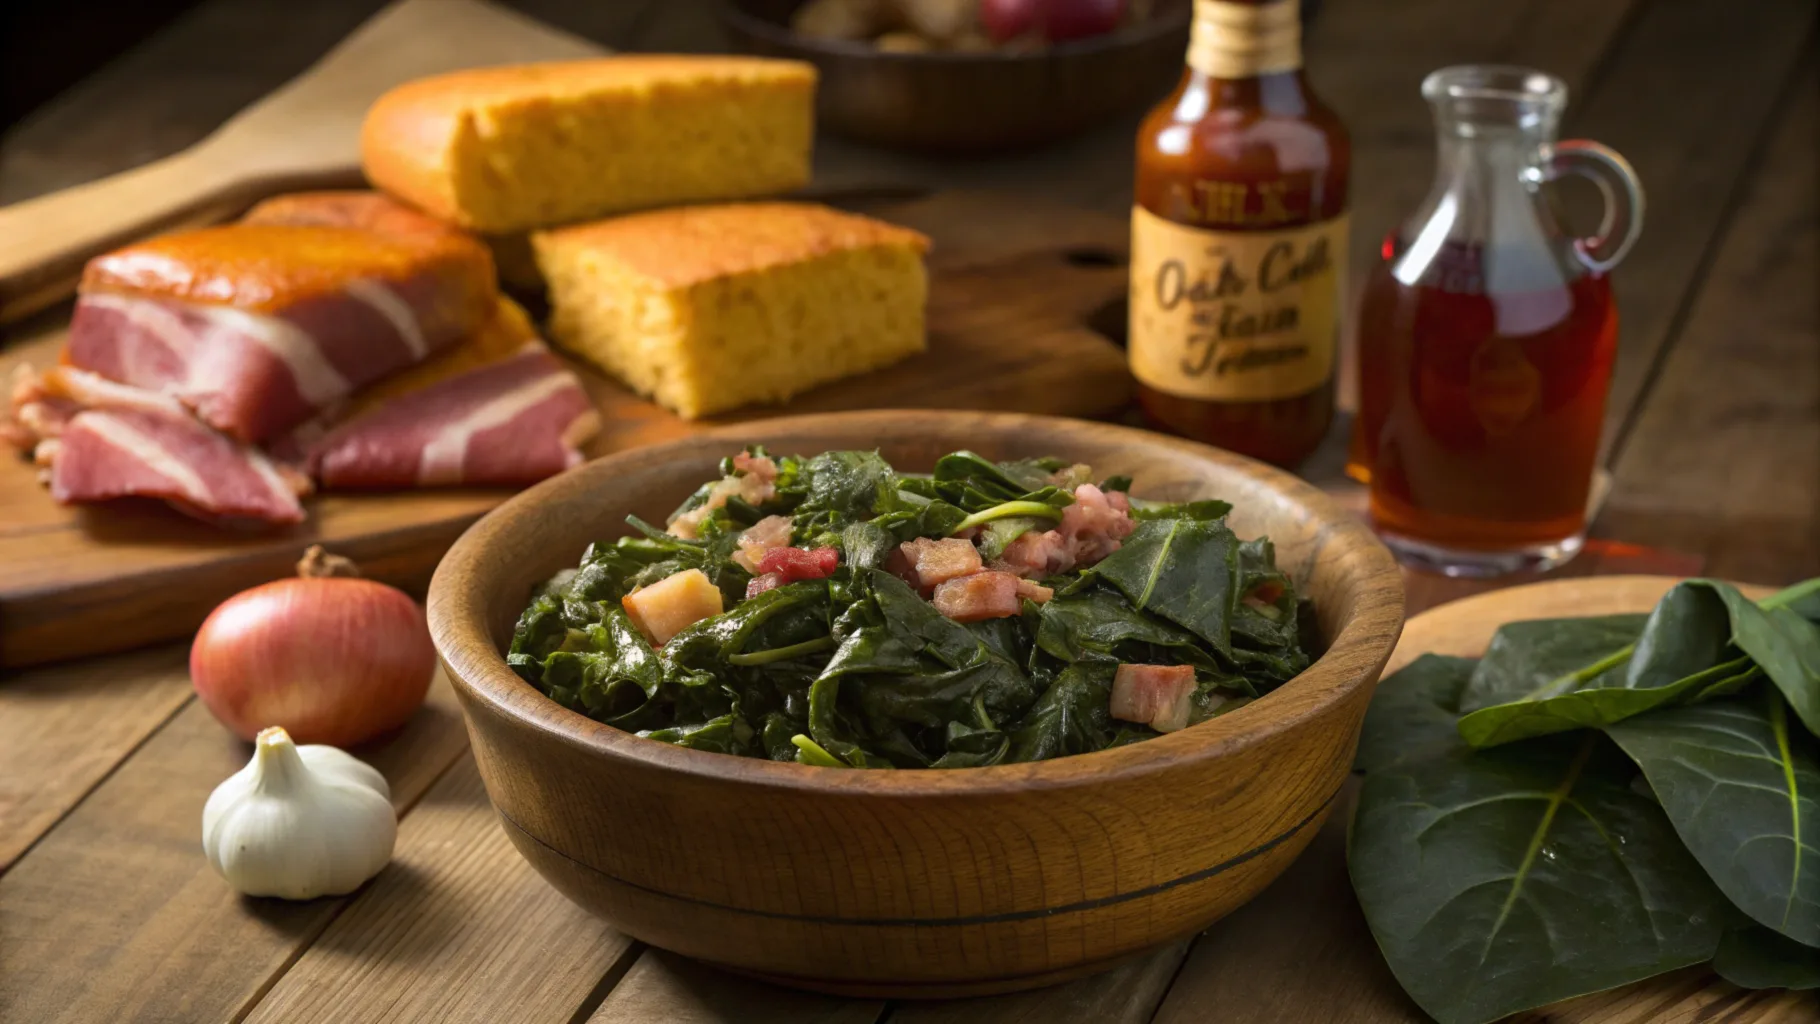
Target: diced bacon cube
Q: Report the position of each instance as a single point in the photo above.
(769, 532)
(1157, 695)
(758, 466)
(760, 584)
(667, 607)
(983, 595)
(938, 561)
(800, 563)
(1093, 526)
(1265, 594)
(1035, 554)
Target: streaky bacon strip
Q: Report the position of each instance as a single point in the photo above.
(508, 423)
(123, 441)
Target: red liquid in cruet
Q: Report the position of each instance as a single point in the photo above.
(1480, 411)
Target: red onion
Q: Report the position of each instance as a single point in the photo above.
(329, 657)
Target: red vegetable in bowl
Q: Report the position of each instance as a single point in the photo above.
(1062, 20)
(1007, 19)
(329, 657)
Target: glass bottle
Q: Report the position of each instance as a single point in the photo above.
(1487, 335)
(1239, 240)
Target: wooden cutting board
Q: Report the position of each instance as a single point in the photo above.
(1015, 291)
(305, 134)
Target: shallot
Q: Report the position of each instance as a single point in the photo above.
(329, 657)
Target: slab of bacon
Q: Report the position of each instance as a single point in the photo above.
(99, 440)
(351, 336)
(259, 327)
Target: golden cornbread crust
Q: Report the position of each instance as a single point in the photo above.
(518, 147)
(680, 247)
(709, 308)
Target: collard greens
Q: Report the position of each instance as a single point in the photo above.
(860, 670)
(1596, 801)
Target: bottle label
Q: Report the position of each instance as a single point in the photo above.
(1235, 315)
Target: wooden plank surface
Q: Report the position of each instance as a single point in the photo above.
(116, 915)
(663, 988)
(1685, 97)
(457, 928)
(63, 729)
(1009, 328)
(1724, 460)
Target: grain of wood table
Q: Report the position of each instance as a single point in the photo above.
(108, 911)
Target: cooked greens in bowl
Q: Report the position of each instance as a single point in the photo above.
(833, 611)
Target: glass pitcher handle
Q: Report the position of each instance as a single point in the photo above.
(1623, 193)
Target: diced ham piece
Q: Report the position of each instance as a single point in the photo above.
(1264, 595)
(1159, 696)
(503, 424)
(754, 480)
(1035, 554)
(758, 466)
(672, 604)
(760, 584)
(983, 595)
(1091, 528)
(935, 562)
(794, 564)
(769, 532)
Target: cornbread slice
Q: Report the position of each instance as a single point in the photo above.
(525, 146)
(705, 308)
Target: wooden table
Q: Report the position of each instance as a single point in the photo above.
(108, 911)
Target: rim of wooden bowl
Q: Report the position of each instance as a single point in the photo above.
(459, 598)
(1160, 26)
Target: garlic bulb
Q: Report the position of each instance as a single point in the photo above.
(299, 822)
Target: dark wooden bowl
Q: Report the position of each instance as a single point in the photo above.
(973, 102)
(915, 883)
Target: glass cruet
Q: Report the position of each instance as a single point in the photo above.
(1487, 335)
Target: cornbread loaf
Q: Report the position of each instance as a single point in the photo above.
(706, 308)
(525, 146)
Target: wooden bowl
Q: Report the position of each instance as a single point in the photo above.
(915, 883)
(973, 102)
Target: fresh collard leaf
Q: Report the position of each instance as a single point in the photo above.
(1541, 658)
(1757, 957)
(1500, 880)
(929, 519)
(1784, 643)
(1413, 713)
(1682, 654)
(1743, 790)
(1184, 570)
(1803, 599)
(1116, 483)
(1207, 509)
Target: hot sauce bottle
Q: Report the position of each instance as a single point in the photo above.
(1238, 241)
